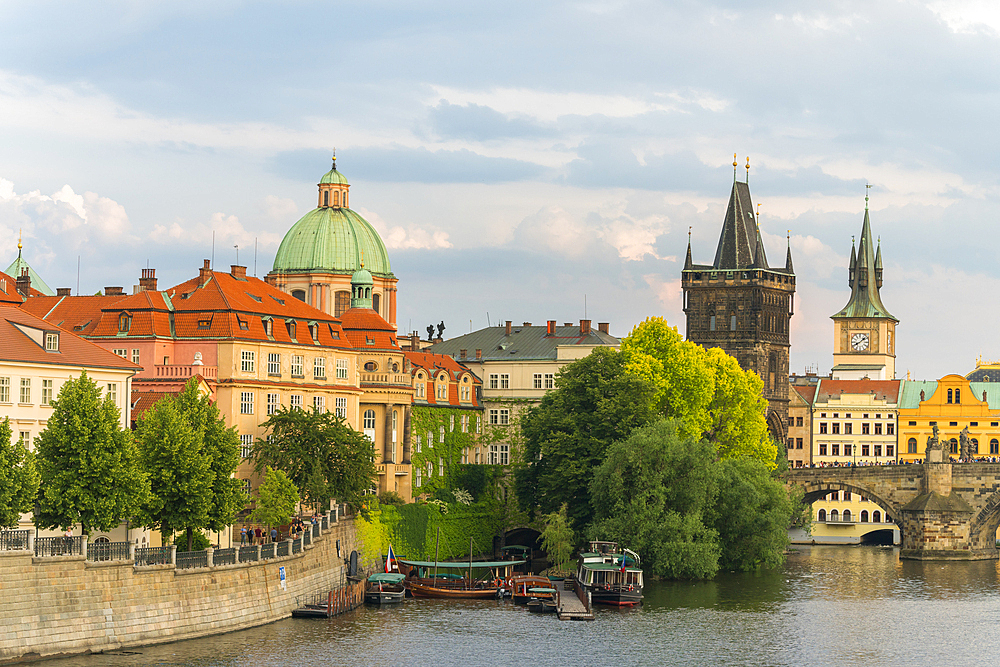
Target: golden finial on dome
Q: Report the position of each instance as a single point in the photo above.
(362, 259)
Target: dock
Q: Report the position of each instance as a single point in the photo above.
(573, 603)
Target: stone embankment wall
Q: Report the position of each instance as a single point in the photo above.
(65, 604)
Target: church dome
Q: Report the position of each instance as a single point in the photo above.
(332, 238)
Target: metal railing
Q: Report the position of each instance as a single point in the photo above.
(267, 550)
(315, 530)
(325, 522)
(282, 548)
(306, 538)
(14, 540)
(59, 546)
(248, 554)
(224, 556)
(296, 545)
(190, 559)
(98, 551)
(152, 556)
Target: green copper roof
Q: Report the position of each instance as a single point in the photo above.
(333, 176)
(865, 279)
(335, 240)
(14, 270)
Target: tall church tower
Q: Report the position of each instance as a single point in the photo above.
(742, 305)
(864, 331)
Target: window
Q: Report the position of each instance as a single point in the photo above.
(46, 392)
(878, 428)
(835, 449)
(504, 381)
(125, 322)
(949, 396)
(273, 364)
(888, 450)
(537, 384)
(273, 401)
(421, 389)
(711, 323)
(791, 421)
(847, 496)
(319, 368)
(498, 454)
(246, 487)
(958, 395)
(994, 447)
(248, 361)
(890, 429)
(246, 442)
(123, 353)
(430, 470)
(466, 392)
(865, 428)
(441, 434)
(451, 425)
(836, 428)
(848, 428)
(877, 517)
(878, 450)
(369, 421)
(295, 401)
(341, 409)
(465, 423)
(822, 449)
(479, 424)
(319, 404)
(975, 445)
(135, 356)
(798, 443)
(112, 392)
(25, 437)
(290, 324)
(821, 517)
(342, 303)
(911, 446)
(494, 380)
(864, 516)
(420, 444)
(865, 450)
(297, 366)
(52, 342)
(25, 390)
(798, 421)
(375, 302)
(732, 323)
(954, 445)
(268, 327)
(342, 369)
(420, 475)
(246, 403)
(791, 443)
(550, 381)
(822, 427)
(500, 417)
(440, 466)
(5, 390)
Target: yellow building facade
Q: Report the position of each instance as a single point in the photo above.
(953, 404)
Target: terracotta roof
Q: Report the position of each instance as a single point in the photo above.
(19, 345)
(887, 390)
(807, 392)
(144, 400)
(8, 290)
(367, 330)
(79, 314)
(434, 364)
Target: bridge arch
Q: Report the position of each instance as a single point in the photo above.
(984, 523)
(816, 490)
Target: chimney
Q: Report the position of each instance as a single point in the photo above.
(603, 327)
(584, 327)
(527, 324)
(148, 281)
(24, 283)
(463, 354)
(206, 271)
(567, 324)
(507, 328)
(550, 330)
(414, 342)
(114, 291)
(479, 355)
(238, 272)
(63, 291)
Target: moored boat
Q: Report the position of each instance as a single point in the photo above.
(519, 586)
(610, 575)
(482, 579)
(542, 600)
(385, 588)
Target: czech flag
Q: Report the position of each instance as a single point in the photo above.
(390, 562)
(623, 562)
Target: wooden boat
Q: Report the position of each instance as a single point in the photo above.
(385, 588)
(542, 600)
(610, 575)
(518, 585)
(482, 579)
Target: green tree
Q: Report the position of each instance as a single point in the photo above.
(18, 477)
(180, 474)
(596, 402)
(558, 539)
(705, 390)
(276, 499)
(87, 463)
(651, 493)
(220, 446)
(323, 456)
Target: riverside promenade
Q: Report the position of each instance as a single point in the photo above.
(67, 596)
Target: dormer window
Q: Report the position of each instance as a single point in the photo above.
(124, 322)
(51, 342)
(290, 324)
(244, 325)
(268, 327)
(205, 324)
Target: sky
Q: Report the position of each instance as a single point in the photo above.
(523, 161)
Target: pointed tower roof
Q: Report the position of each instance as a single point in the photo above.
(19, 265)
(865, 300)
(788, 255)
(738, 240)
(688, 263)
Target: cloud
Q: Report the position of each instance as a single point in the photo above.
(481, 123)
(396, 237)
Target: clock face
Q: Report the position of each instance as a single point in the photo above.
(859, 342)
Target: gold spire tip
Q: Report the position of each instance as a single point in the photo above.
(19, 246)
(735, 163)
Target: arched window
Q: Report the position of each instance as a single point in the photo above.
(375, 302)
(368, 292)
(369, 419)
(336, 199)
(994, 446)
(876, 517)
(822, 516)
(345, 200)
(958, 395)
(847, 515)
(911, 446)
(834, 515)
(864, 516)
(341, 303)
(299, 294)
(949, 396)
(290, 324)
(326, 198)
(954, 445)
(732, 322)
(124, 322)
(975, 445)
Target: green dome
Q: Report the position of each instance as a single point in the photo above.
(333, 176)
(362, 277)
(332, 239)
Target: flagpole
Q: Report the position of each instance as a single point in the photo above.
(437, 544)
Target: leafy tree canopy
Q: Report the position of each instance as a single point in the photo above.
(276, 499)
(596, 402)
(323, 456)
(18, 478)
(87, 463)
(558, 539)
(705, 390)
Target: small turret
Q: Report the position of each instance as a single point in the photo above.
(788, 255)
(853, 266)
(361, 288)
(688, 263)
(878, 265)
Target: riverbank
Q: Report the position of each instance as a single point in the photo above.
(61, 605)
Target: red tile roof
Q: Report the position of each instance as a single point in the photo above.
(434, 364)
(8, 290)
(144, 400)
(79, 314)
(18, 346)
(806, 392)
(367, 330)
(883, 389)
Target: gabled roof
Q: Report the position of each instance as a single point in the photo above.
(79, 314)
(8, 290)
(19, 265)
(22, 340)
(434, 364)
(807, 392)
(884, 390)
(367, 330)
(524, 342)
(865, 279)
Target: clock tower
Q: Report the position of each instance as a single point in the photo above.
(864, 331)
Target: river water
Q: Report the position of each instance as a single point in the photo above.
(836, 605)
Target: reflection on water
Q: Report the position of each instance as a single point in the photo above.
(829, 606)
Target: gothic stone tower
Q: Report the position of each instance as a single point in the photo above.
(740, 304)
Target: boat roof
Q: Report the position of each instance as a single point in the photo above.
(387, 577)
(465, 565)
(609, 566)
(518, 547)
(541, 590)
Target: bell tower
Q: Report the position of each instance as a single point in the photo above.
(864, 331)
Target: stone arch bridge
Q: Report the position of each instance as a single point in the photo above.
(945, 511)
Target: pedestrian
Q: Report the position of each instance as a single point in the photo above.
(243, 535)
(68, 540)
(274, 534)
(259, 534)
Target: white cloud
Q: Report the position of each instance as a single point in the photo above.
(968, 16)
(397, 237)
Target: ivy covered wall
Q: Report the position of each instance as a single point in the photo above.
(436, 438)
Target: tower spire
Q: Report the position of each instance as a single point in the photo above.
(335, 158)
(748, 170)
(688, 263)
(788, 254)
(735, 165)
